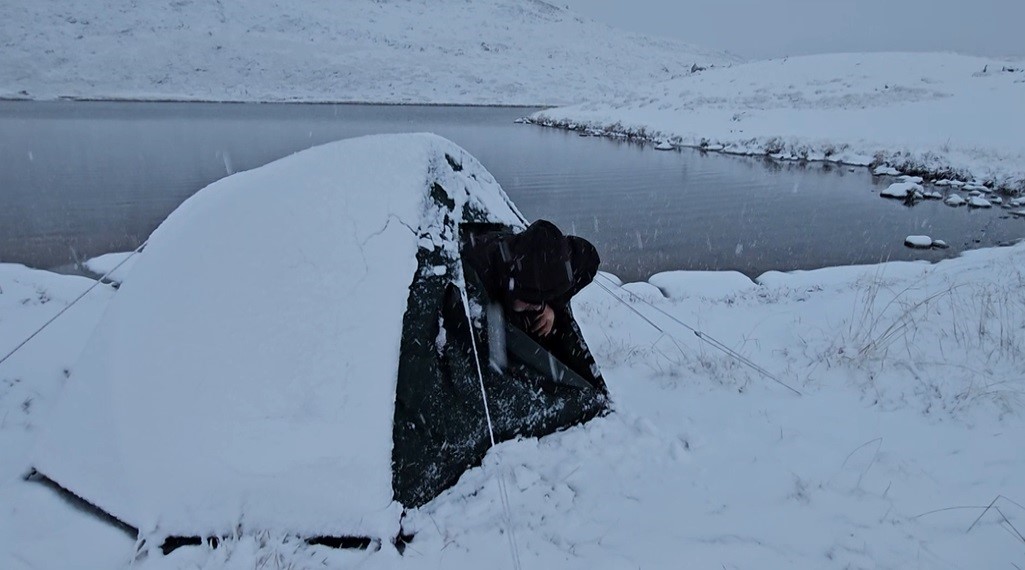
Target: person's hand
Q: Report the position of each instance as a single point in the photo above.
(543, 322)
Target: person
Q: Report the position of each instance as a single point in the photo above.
(534, 274)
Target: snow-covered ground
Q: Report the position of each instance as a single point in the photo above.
(410, 51)
(944, 115)
(913, 382)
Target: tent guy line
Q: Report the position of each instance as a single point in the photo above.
(502, 487)
(72, 303)
(701, 335)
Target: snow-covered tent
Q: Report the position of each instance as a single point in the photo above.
(291, 353)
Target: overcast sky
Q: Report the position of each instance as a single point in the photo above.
(757, 29)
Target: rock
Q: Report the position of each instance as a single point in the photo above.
(918, 242)
(1016, 202)
(886, 171)
(943, 182)
(978, 202)
(911, 179)
(954, 200)
(901, 190)
(957, 184)
(976, 187)
(714, 147)
(975, 193)
(933, 195)
(939, 244)
(664, 145)
(996, 200)
(1019, 213)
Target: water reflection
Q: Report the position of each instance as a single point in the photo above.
(81, 179)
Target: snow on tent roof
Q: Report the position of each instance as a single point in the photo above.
(245, 374)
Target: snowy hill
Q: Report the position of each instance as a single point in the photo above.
(938, 114)
(403, 51)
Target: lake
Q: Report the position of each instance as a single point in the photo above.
(78, 179)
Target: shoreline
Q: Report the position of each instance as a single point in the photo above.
(934, 115)
(134, 100)
(642, 136)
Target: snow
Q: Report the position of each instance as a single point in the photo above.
(922, 242)
(223, 390)
(902, 190)
(911, 179)
(978, 202)
(681, 284)
(909, 425)
(115, 266)
(418, 51)
(955, 200)
(38, 528)
(912, 112)
(664, 145)
(244, 374)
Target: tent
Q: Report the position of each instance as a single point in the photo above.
(292, 353)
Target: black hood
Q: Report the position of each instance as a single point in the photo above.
(540, 263)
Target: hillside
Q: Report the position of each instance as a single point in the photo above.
(938, 115)
(402, 51)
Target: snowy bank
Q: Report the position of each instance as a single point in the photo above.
(939, 115)
(422, 51)
(909, 426)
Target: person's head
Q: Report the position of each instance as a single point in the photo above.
(542, 263)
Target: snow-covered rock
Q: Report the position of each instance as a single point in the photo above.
(245, 373)
(1015, 202)
(940, 244)
(911, 179)
(943, 182)
(918, 242)
(664, 145)
(933, 195)
(884, 170)
(954, 200)
(996, 200)
(901, 190)
(115, 265)
(976, 188)
(1019, 213)
(682, 284)
(979, 202)
(413, 51)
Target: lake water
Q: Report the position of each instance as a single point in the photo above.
(78, 179)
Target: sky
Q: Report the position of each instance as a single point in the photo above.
(760, 29)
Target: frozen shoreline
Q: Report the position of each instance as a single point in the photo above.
(941, 116)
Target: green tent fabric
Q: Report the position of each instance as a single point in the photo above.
(440, 427)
